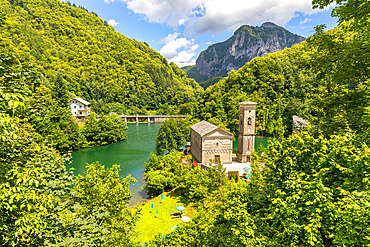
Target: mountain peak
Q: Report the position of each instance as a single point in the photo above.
(269, 25)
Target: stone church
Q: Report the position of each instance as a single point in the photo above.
(210, 144)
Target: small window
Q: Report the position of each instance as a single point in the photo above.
(217, 159)
(75, 107)
(80, 112)
(75, 113)
(80, 107)
(249, 121)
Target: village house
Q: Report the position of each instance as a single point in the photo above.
(298, 123)
(79, 107)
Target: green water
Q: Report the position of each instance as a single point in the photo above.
(259, 140)
(130, 154)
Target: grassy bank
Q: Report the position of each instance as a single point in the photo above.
(152, 223)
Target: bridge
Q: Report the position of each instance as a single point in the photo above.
(150, 118)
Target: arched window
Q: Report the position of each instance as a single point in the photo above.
(249, 121)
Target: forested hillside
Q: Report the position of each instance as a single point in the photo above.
(274, 82)
(248, 42)
(109, 70)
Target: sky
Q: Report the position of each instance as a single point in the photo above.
(181, 29)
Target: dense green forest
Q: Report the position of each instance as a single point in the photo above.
(112, 72)
(274, 81)
(42, 203)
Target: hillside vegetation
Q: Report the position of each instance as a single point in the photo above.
(109, 70)
(273, 81)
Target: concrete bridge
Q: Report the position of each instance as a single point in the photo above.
(150, 118)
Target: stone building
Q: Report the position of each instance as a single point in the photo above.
(210, 143)
(246, 138)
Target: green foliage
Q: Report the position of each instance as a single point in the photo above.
(339, 60)
(272, 81)
(104, 130)
(37, 207)
(64, 132)
(314, 177)
(60, 91)
(33, 178)
(97, 212)
(172, 135)
(98, 64)
(210, 82)
(197, 184)
(162, 173)
(17, 79)
(176, 171)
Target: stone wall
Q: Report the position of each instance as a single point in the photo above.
(196, 145)
(220, 146)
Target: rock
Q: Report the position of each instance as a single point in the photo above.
(247, 43)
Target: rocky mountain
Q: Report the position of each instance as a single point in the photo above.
(247, 43)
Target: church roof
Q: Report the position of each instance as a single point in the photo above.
(204, 127)
(248, 103)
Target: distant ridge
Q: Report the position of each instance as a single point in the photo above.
(247, 43)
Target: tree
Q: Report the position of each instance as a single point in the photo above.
(97, 211)
(104, 130)
(338, 58)
(163, 173)
(60, 91)
(172, 135)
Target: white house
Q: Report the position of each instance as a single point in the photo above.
(79, 107)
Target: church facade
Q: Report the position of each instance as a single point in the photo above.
(211, 144)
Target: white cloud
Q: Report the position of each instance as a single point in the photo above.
(304, 21)
(170, 37)
(182, 21)
(215, 16)
(113, 22)
(181, 51)
(209, 42)
(184, 58)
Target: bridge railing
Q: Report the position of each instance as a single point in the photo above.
(149, 118)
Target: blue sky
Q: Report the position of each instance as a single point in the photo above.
(181, 29)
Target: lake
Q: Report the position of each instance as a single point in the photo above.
(131, 154)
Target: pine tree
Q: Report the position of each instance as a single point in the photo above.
(60, 92)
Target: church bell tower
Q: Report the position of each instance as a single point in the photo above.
(246, 138)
